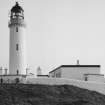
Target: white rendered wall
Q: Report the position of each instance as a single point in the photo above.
(17, 58)
(96, 78)
(78, 72)
(95, 86)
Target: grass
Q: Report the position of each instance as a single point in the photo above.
(34, 94)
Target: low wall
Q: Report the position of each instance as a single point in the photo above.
(95, 86)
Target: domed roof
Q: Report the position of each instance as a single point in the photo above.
(17, 8)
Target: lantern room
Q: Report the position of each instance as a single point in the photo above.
(17, 11)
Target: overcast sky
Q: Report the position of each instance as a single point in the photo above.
(58, 32)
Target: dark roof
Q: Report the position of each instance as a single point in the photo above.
(42, 75)
(17, 8)
(74, 66)
(80, 66)
(95, 74)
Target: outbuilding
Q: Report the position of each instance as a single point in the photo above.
(74, 71)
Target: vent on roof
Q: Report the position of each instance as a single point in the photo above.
(78, 62)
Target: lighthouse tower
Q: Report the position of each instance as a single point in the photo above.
(17, 65)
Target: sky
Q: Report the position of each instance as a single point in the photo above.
(58, 33)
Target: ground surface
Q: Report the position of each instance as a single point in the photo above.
(48, 95)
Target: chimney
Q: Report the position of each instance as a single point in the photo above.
(78, 62)
(39, 71)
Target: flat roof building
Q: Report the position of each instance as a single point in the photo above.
(74, 71)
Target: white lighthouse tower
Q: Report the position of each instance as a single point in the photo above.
(17, 56)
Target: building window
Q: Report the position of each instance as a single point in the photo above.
(86, 78)
(17, 47)
(16, 29)
(58, 75)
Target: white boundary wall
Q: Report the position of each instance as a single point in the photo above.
(90, 85)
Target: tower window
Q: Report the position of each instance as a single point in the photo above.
(16, 29)
(17, 47)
